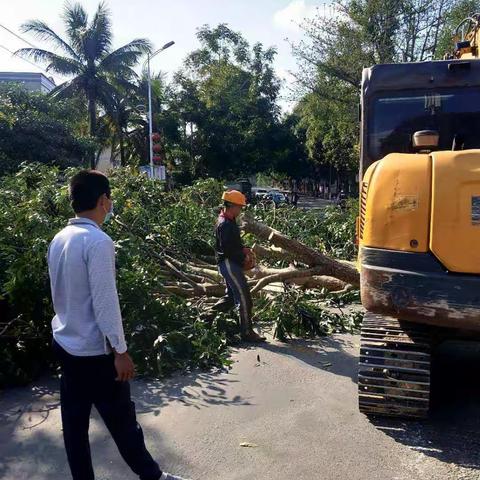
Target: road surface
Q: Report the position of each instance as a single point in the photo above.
(296, 407)
(313, 202)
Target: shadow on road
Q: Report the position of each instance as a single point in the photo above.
(31, 442)
(334, 354)
(40, 454)
(42, 399)
(452, 433)
(198, 390)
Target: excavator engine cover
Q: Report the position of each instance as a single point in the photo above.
(419, 233)
(455, 218)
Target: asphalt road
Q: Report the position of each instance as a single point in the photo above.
(313, 202)
(296, 407)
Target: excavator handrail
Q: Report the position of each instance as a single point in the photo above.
(472, 19)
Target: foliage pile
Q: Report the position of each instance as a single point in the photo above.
(165, 332)
(310, 314)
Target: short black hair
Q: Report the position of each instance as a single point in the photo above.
(86, 187)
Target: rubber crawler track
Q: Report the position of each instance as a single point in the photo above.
(394, 368)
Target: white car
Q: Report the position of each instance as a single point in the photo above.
(260, 193)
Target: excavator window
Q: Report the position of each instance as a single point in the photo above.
(395, 117)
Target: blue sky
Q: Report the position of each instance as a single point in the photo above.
(267, 21)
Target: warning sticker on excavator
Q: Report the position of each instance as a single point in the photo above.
(476, 210)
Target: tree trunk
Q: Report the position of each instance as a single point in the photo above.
(122, 147)
(316, 282)
(92, 121)
(325, 265)
(275, 254)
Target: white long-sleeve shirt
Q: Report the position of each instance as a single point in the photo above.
(81, 264)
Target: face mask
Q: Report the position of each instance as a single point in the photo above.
(109, 214)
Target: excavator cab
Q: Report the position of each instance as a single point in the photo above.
(401, 99)
(419, 222)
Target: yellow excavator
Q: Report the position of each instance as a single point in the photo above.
(419, 223)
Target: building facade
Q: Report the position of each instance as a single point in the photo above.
(34, 82)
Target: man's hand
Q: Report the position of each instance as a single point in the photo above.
(124, 367)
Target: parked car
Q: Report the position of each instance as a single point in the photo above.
(276, 197)
(259, 193)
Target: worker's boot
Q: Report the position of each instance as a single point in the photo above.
(253, 337)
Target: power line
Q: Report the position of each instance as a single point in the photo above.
(24, 59)
(31, 63)
(18, 36)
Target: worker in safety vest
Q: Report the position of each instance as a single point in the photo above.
(233, 258)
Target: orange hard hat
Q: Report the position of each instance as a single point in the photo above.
(235, 197)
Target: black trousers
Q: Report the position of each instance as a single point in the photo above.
(237, 293)
(88, 381)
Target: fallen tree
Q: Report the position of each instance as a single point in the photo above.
(302, 253)
(166, 272)
(309, 268)
(272, 254)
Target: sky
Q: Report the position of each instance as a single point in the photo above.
(270, 22)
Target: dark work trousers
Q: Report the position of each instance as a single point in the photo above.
(237, 293)
(88, 381)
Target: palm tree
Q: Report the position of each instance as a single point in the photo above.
(122, 115)
(87, 57)
(125, 116)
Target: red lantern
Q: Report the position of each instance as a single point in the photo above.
(157, 147)
(157, 159)
(156, 137)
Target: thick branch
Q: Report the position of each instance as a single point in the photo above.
(208, 290)
(325, 265)
(262, 272)
(274, 254)
(286, 275)
(181, 275)
(199, 270)
(317, 282)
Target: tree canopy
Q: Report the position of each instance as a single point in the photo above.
(37, 128)
(226, 95)
(219, 115)
(86, 56)
(358, 34)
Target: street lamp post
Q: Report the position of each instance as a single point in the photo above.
(150, 121)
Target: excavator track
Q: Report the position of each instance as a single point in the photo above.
(394, 367)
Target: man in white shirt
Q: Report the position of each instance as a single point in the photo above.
(88, 334)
